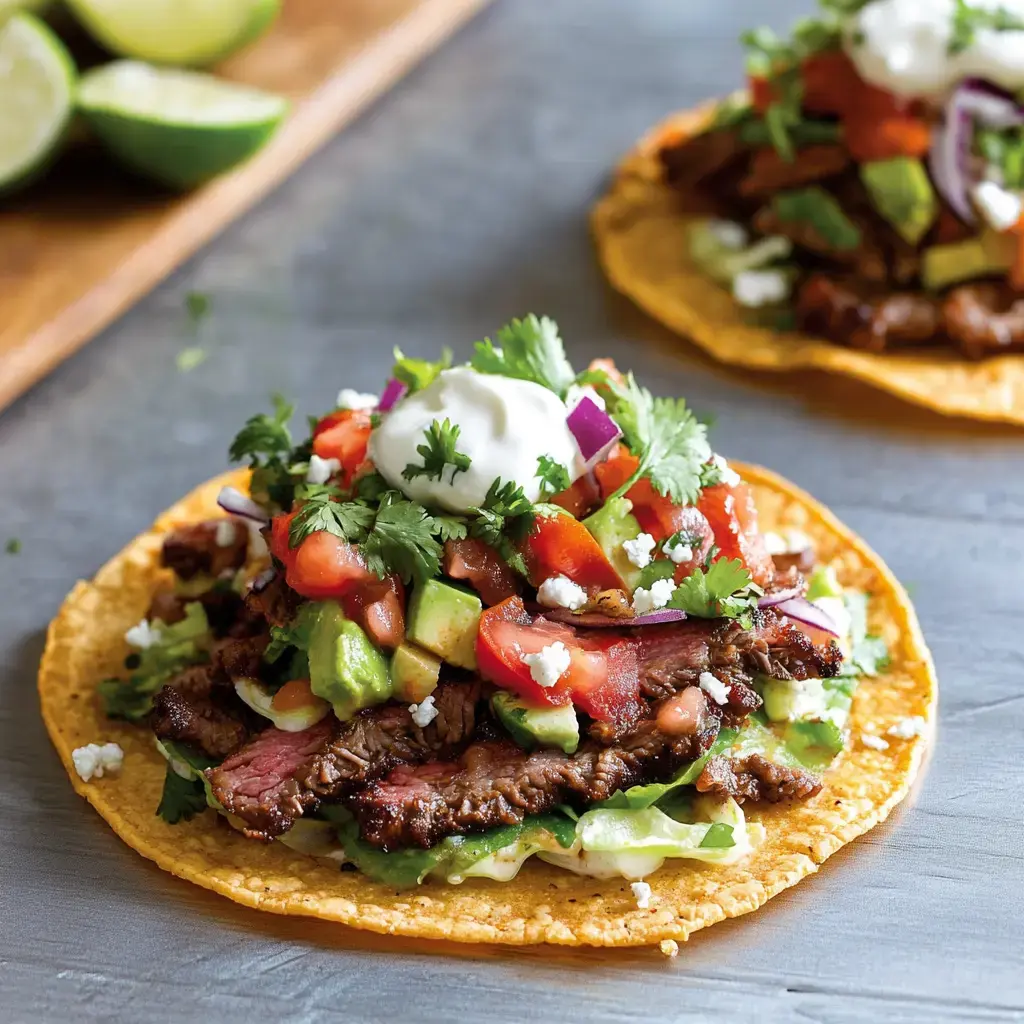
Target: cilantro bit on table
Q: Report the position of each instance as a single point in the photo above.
(13, 546)
(197, 305)
(416, 374)
(725, 590)
(189, 358)
(439, 453)
(554, 477)
(528, 349)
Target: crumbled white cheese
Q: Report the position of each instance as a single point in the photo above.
(93, 761)
(728, 233)
(321, 470)
(677, 550)
(787, 542)
(756, 288)
(576, 394)
(227, 533)
(669, 947)
(549, 664)
(642, 893)
(1000, 208)
(142, 636)
(714, 688)
(561, 592)
(808, 699)
(638, 550)
(729, 475)
(907, 728)
(873, 742)
(658, 596)
(349, 399)
(424, 712)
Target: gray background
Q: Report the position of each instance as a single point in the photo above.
(457, 202)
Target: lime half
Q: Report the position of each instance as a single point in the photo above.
(37, 84)
(178, 127)
(190, 32)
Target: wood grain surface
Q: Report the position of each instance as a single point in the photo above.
(83, 245)
(458, 202)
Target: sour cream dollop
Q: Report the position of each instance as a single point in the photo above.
(506, 424)
(903, 46)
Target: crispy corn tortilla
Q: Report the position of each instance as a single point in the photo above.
(640, 229)
(544, 904)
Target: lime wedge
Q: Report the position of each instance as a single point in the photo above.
(178, 127)
(37, 83)
(191, 32)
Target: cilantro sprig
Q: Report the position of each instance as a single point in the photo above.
(528, 349)
(417, 374)
(968, 20)
(266, 441)
(724, 590)
(505, 519)
(439, 453)
(554, 477)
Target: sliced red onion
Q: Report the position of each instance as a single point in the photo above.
(809, 614)
(595, 620)
(394, 391)
(778, 596)
(595, 431)
(263, 580)
(238, 504)
(952, 142)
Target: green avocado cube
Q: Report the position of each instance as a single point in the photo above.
(345, 667)
(414, 673)
(902, 193)
(533, 725)
(444, 619)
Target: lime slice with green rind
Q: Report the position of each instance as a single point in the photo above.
(37, 87)
(178, 127)
(182, 32)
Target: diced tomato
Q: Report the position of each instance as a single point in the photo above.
(762, 93)
(324, 567)
(608, 366)
(659, 516)
(344, 435)
(733, 517)
(487, 572)
(694, 526)
(295, 694)
(870, 138)
(580, 497)
(831, 83)
(561, 545)
(279, 528)
(378, 607)
(602, 678)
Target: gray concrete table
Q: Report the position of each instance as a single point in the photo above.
(457, 202)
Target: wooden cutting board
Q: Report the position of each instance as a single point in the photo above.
(81, 246)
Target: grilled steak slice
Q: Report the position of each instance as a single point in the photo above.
(200, 708)
(275, 604)
(225, 611)
(755, 778)
(770, 173)
(346, 755)
(210, 548)
(497, 783)
(985, 318)
(718, 160)
(672, 657)
(258, 784)
(241, 658)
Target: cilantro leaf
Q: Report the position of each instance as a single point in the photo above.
(670, 442)
(725, 590)
(449, 528)
(402, 541)
(416, 374)
(439, 453)
(505, 518)
(197, 306)
(528, 349)
(296, 634)
(348, 520)
(869, 654)
(554, 477)
(182, 799)
(968, 20)
(266, 442)
(13, 546)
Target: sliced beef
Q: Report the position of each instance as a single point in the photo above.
(770, 173)
(258, 784)
(755, 778)
(272, 781)
(716, 159)
(241, 658)
(986, 318)
(672, 657)
(208, 548)
(200, 708)
(497, 783)
(275, 602)
(853, 313)
(224, 609)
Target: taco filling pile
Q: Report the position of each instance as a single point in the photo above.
(502, 611)
(868, 185)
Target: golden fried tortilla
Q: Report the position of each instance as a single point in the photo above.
(640, 229)
(544, 904)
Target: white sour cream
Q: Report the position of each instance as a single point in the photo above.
(506, 424)
(904, 47)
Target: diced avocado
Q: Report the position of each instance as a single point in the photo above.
(610, 525)
(902, 193)
(444, 619)
(345, 667)
(788, 700)
(984, 256)
(532, 725)
(824, 583)
(414, 673)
